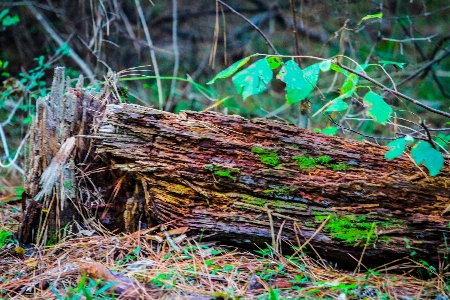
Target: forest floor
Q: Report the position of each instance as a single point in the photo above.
(150, 264)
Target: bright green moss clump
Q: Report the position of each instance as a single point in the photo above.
(267, 157)
(354, 230)
(308, 163)
(222, 171)
(350, 229)
(323, 159)
(339, 167)
(254, 201)
(305, 162)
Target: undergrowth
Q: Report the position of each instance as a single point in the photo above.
(113, 266)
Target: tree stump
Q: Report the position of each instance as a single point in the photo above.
(249, 182)
(52, 186)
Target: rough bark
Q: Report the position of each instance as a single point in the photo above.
(57, 160)
(50, 175)
(241, 181)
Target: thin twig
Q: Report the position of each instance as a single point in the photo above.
(176, 53)
(12, 162)
(294, 31)
(410, 39)
(152, 53)
(365, 247)
(396, 93)
(272, 229)
(213, 52)
(316, 232)
(418, 167)
(224, 25)
(425, 67)
(438, 129)
(171, 242)
(12, 113)
(60, 42)
(359, 133)
(253, 25)
(430, 139)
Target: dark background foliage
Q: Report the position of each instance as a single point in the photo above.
(109, 34)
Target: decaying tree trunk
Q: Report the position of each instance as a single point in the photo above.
(242, 181)
(50, 176)
(52, 185)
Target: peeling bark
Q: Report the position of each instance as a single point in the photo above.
(57, 159)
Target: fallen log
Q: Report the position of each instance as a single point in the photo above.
(249, 182)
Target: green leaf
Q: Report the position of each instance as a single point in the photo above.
(10, 21)
(274, 294)
(394, 63)
(104, 289)
(349, 84)
(18, 191)
(274, 62)
(3, 13)
(68, 184)
(409, 139)
(137, 250)
(64, 49)
(351, 81)
(398, 147)
(379, 110)
(330, 130)
(368, 17)
(254, 79)
(289, 73)
(27, 120)
(336, 68)
(423, 152)
(231, 69)
(299, 83)
(311, 74)
(443, 140)
(325, 65)
(337, 104)
(362, 67)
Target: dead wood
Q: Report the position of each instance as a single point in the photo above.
(241, 181)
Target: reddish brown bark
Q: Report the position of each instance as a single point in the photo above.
(242, 181)
(203, 170)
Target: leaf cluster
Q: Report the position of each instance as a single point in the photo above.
(301, 83)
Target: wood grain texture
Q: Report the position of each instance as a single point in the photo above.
(235, 180)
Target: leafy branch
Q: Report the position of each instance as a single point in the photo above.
(392, 91)
(300, 84)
